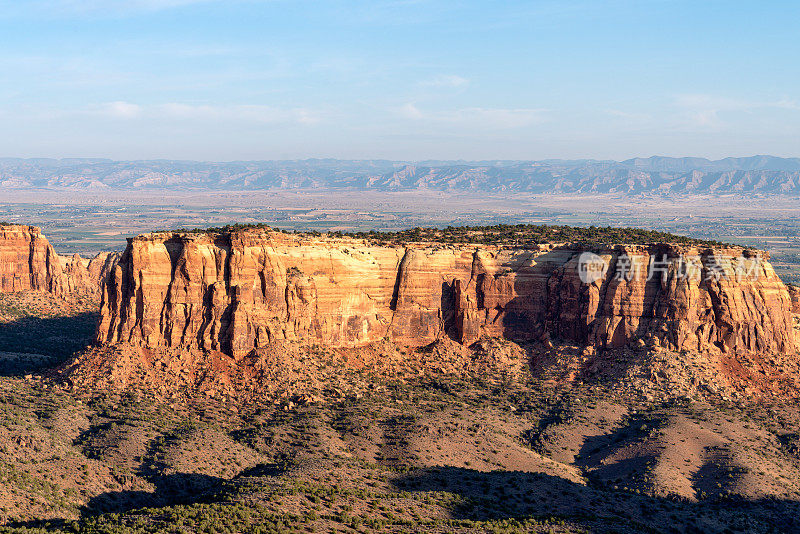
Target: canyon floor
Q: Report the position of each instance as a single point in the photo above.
(540, 448)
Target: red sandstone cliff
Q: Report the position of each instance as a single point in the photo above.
(235, 292)
(794, 294)
(88, 275)
(28, 262)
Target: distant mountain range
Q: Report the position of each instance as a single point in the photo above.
(766, 175)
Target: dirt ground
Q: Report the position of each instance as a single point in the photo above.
(497, 437)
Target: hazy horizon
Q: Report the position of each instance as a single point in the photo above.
(401, 161)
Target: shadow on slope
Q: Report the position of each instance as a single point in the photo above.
(33, 343)
(476, 497)
(514, 495)
(175, 489)
(172, 489)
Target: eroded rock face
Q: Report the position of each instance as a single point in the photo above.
(88, 275)
(794, 293)
(29, 263)
(240, 291)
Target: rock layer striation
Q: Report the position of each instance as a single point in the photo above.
(241, 291)
(29, 263)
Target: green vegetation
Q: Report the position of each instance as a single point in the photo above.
(268, 468)
(499, 234)
(46, 329)
(228, 228)
(530, 234)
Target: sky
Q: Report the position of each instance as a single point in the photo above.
(398, 79)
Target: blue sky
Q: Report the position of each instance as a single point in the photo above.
(398, 79)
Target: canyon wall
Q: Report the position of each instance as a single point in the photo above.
(244, 290)
(29, 263)
(794, 294)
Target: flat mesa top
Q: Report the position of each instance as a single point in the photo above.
(13, 227)
(519, 235)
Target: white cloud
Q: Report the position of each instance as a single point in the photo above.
(499, 118)
(119, 110)
(786, 103)
(450, 80)
(177, 111)
(246, 112)
(495, 118)
(709, 101)
(704, 110)
(628, 115)
(411, 111)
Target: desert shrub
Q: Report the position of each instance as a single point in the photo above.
(498, 234)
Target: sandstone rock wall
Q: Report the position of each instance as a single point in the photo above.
(88, 275)
(29, 263)
(235, 292)
(794, 294)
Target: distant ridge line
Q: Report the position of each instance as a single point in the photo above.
(760, 174)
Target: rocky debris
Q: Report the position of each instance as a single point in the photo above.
(288, 371)
(238, 291)
(301, 374)
(29, 262)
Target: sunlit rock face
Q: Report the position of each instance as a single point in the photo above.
(239, 291)
(794, 293)
(29, 263)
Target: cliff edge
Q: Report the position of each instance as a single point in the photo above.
(29, 263)
(240, 291)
